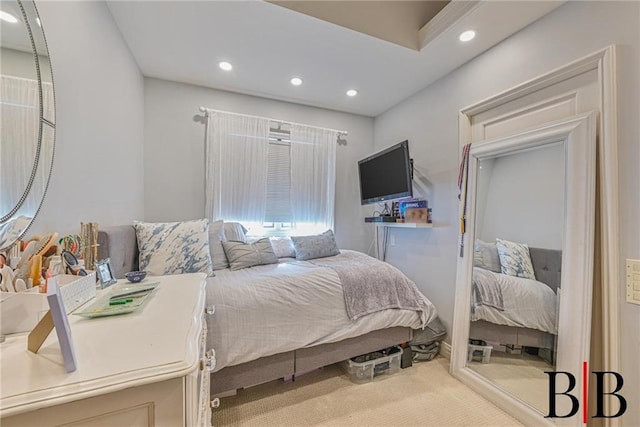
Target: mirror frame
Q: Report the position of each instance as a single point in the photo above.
(578, 134)
(23, 5)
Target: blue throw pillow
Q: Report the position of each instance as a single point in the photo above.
(515, 259)
(174, 247)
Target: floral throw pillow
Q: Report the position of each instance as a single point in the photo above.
(174, 247)
(319, 246)
(515, 259)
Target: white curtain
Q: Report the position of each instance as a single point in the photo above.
(236, 167)
(313, 178)
(19, 112)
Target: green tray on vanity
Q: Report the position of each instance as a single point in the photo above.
(130, 297)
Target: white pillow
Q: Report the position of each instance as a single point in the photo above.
(515, 259)
(174, 247)
(283, 247)
(485, 255)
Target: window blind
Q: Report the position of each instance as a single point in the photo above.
(278, 203)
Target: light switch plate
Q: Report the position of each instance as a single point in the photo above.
(633, 281)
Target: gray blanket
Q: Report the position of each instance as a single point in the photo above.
(371, 285)
(486, 289)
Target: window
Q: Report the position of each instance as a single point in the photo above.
(273, 178)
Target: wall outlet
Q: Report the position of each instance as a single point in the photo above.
(392, 240)
(633, 281)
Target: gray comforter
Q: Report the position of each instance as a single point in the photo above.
(371, 285)
(486, 289)
(513, 301)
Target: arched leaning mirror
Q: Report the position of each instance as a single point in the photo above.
(523, 294)
(28, 118)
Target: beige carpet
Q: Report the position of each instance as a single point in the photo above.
(423, 395)
(521, 375)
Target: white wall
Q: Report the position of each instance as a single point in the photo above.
(429, 119)
(174, 151)
(97, 172)
(524, 198)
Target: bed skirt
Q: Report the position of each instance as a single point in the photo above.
(297, 362)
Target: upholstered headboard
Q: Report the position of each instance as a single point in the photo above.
(547, 265)
(119, 243)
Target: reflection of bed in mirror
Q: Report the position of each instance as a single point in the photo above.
(542, 331)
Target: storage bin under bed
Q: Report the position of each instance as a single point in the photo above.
(363, 369)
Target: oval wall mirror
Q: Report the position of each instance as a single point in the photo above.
(27, 105)
(523, 295)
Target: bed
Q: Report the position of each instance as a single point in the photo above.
(307, 324)
(528, 317)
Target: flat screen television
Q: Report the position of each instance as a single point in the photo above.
(386, 175)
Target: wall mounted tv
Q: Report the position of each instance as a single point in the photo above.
(386, 175)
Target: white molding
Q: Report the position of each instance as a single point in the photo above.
(590, 62)
(445, 350)
(609, 215)
(440, 23)
(530, 108)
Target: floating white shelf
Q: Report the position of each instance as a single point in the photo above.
(404, 224)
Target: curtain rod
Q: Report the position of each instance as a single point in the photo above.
(284, 122)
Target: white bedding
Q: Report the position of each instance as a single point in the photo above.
(270, 309)
(527, 303)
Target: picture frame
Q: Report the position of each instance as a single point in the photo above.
(104, 273)
(55, 318)
(61, 324)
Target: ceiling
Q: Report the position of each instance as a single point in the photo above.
(269, 44)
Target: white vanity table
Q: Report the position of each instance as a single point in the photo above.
(145, 368)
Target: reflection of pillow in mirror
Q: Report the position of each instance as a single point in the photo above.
(515, 259)
(485, 255)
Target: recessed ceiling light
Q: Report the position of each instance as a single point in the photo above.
(225, 65)
(296, 81)
(39, 23)
(8, 17)
(352, 92)
(467, 35)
